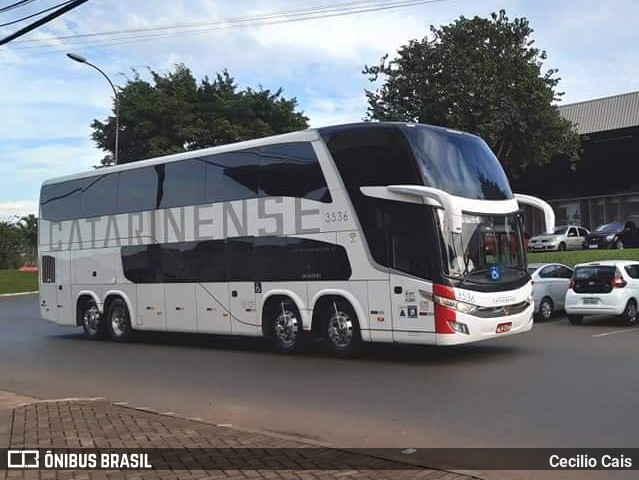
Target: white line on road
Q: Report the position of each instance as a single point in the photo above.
(616, 331)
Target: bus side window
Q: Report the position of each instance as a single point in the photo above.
(137, 190)
(183, 184)
(231, 176)
(292, 170)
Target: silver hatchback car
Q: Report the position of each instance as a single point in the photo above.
(550, 284)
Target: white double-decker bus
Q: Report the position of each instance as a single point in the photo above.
(372, 232)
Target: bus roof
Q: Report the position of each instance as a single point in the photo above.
(308, 135)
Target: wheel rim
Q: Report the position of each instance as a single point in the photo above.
(546, 310)
(91, 320)
(340, 329)
(287, 328)
(631, 312)
(118, 321)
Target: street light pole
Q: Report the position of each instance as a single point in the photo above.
(81, 59)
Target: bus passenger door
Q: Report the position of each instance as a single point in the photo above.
(64, 300)
(411, 311)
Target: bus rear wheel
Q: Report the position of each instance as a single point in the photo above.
(118, 321)
(341, 332)
(286, 329)
(92, 321)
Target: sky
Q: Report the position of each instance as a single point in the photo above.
(48, 101)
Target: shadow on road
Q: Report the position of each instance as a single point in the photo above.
(368, 352)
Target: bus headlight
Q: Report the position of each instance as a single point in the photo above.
(456, 305)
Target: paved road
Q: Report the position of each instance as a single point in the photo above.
(559, 385)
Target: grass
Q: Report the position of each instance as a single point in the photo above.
(13, 281)
(582, 256)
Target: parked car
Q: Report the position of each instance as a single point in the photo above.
(562, 238)
(550, 283)
(604, 288)
(613, 235)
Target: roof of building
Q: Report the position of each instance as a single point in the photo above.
(602, 114)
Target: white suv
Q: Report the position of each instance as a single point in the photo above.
(604, 288)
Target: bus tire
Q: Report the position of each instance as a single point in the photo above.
(118, 321)
(285, 328)
(340, 329)
(92, 322)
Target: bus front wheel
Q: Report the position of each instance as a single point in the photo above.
(118, 321)
(341, 329)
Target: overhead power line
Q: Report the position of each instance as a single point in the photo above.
(19, 4)
(118, 37)
(34, 14)
(32, 26)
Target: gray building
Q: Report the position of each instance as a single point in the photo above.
(604, 185)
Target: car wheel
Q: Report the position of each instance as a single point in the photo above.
(545, 309)
(92, 322)
(562, 247)
(287, 332)
(340, 329)
(618, 245)
(119, 321)
(629, 315)
(576, 319)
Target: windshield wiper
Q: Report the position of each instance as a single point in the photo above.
(467, 276)
(486, 270)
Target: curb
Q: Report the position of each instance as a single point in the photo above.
(4, 295)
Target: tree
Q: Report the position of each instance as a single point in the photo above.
(480, 75)
(175, 113)
(28, 228)
(10, 246)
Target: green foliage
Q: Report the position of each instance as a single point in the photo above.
(174, 113)
(480, 75)
(18, 242)
(11, 245)
(12, 281)
(582, 256)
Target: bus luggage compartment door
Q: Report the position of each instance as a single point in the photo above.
(243, 309)
(411, 312)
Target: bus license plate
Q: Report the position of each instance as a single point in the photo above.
(504, 327)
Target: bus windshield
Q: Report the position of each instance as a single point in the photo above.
(488, 251)
(458, 163)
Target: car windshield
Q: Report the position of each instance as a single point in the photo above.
(489, 250)
(609, 227)
(560, 230)
(532, 270)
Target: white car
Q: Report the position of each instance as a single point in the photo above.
(550, 284)
(604, 288)
(562, 238)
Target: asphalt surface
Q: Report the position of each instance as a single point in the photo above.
(557, 386)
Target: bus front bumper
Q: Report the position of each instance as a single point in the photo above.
(488, 328)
